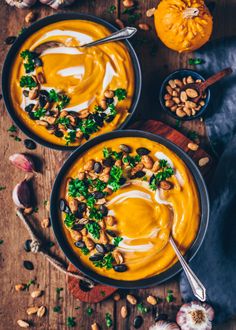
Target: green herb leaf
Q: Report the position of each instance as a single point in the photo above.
(142, 309)
(12, 129)
(108, 320)
(89, 311)
(106, 262)
(111, 9)
(71, 321)
(85, 251)
(94, 229)
(95, 214)
(28, 285)
(169, 297)
(120, 93)
(2, 188)
(193, 135)
(102, 293)
(53, 96)
(27, 81)
(117, 240)
(115, 176)
(28, 57)
(195, 61)
(57, 309)
(88, 127)
(166, 171)
(40, 112)
(63, 101)
(69, 220)
(71, 137)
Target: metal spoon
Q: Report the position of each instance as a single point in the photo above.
(200, 88)
(125, 33)
(198, 288)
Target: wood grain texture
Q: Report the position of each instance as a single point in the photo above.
(156, 61)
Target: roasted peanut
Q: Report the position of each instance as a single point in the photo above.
(108, 190)
(116, 296)
(32, 310)
(33, 93)
(123, 312)
(191, 92)
(189, 80)
(109, 94)
(144, 26)
(165, 185)
(169, 89)
(176, 100)
(30, 17)
(178, 83)
(118, 257)
(203, 161)
(167, 97)
(19, 287)
(156, 166)
(89, 243)
(147, 161)
(103, 104)
(84, 232)
(95, 326)
(103, 237)
(75, 235)
(89, 165)
(172, 84)
(41, 311)
(137, 168)
(152, 300)
(120, 23)
(183, 96)
(40, 77)
(128, 3)
(173, 108)
(104, 177)
(131, 299)
(193, 146)
(169, 103)
(110, 220)
(23, 324)
(45, 223)
(36, 293)
(83, 113)
(81, 175)
(150, 12)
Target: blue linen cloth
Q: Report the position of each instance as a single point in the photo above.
(215, 263)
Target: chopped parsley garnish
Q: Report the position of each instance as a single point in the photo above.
(71, 137)
(115, 176)
(58, 290)
(2, 188)
(57, 309)
(106, 262)
(107, 152)
(16, 138)
(27, 81)
(120, 93)
(78, 188)
(53, 96)
(169, 297)
(71, 321)
(85, 251)
(88, 127)
(40, 112)
(69, 220)
(112, 109)
(195, 61)
(28, 285)
(165, 172)
(108, 320)
(117, 240)
(65, 121)
(94, 229)
(45, 202)
(89, 311)
(178, 123)
(63, 101)
(192, 135)
(102, 293)
(28, 57)
(142, 309)
(95, 214)
(12, 129)
(111, 9)
(132, 160)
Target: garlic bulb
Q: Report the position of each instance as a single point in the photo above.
(195, 316)
(164, 325)
(22, 4)
(56, 4)
(23, 162)
(21, 194)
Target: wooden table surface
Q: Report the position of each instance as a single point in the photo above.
(156, 61)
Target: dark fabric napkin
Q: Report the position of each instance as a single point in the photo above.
(215, 263)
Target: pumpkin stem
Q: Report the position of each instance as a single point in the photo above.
(190, 12)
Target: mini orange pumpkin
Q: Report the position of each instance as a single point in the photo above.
(183, 25)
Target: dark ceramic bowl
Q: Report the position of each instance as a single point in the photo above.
(37, 26)
(179, 74)
(64, 244)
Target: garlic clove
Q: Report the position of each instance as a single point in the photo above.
(195, 316)
(21, 194)
(56, 4)
(23, 162)
(164, 325)
(21, 4)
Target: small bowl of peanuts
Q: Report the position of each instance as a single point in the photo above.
(178, 101)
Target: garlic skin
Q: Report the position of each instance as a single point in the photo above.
(23, 162)
(164, 325)
(195, 316)
(56, 4)
(21, 194)
(21, 4)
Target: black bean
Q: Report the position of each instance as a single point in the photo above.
(44, 92)
(29, 107)
(98, 194)
(78, 214)
(38, 61)
(138, 321)
(109, 100)
(32, 115)
(109, 247)
(122, 181)
(120, 268)
(10, 40)
(96, 257)
(142, 151)
(30, 144)
(98, 119)
(139, 174)
(111, 233)
(42, 100)
(26, 94)
(125, 148)
(97, 167)
(82, 207)
(108, 162)
(103, 209)
(110, 118)
(84, 286)
(58, 133)
(63, 206)
(79, 244)
(78, 227)
(100, 248)
(28, 265)
(27, 246)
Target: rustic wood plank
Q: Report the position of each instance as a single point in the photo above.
(157, 61)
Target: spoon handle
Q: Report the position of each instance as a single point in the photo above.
(213, 79)
(198, 288)
(125, 33)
